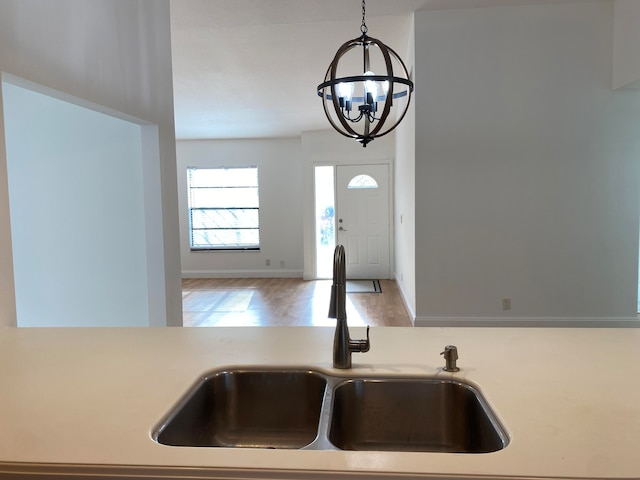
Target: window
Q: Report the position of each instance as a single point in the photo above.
(325, 237)
(223, 208)
(362, 181)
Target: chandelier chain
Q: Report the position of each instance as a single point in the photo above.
(363, 27)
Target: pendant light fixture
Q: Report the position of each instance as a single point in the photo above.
(359, 103)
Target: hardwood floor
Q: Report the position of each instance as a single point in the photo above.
(210, 302)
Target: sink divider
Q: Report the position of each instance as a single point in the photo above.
(322, 442)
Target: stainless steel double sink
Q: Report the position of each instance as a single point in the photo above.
(306, 409)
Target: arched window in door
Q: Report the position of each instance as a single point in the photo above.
(362, 181)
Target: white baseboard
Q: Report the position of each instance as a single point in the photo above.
(281, 273)
(560, 322)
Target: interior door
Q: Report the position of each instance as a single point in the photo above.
(362, 213)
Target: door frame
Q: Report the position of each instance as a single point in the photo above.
(310, 270)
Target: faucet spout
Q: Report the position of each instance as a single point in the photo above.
(343, 346)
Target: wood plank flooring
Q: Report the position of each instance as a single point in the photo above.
(210, 302)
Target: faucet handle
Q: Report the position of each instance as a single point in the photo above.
(367, 343)
(360, 345)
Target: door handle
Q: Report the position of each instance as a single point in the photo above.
(342, 229)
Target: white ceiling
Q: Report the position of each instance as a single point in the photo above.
(250, 68)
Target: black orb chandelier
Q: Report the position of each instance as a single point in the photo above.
(365, 105)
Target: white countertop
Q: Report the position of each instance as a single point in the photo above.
(87, 400)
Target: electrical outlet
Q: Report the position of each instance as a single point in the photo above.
(268, 262)
(506, 304)
(281, 263)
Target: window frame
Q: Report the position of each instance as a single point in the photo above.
(223, 247)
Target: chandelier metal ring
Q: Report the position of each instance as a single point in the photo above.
(359, 106)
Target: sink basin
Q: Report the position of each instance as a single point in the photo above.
(303, 409)
(244, 408)
(413, 415)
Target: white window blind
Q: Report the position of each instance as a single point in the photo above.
(224, 208)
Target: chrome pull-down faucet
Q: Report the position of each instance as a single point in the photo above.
(343, 346)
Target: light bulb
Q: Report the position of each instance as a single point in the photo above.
(371, 87)
(345, 90)
(385, 87)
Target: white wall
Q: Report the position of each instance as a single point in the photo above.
(7, 288)
(527, 168)
(280, 183)
(79, 255)
(285, 167)
(626, 44)
(113, 53)
(405, 194)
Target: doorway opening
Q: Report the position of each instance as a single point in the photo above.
(86, 219)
